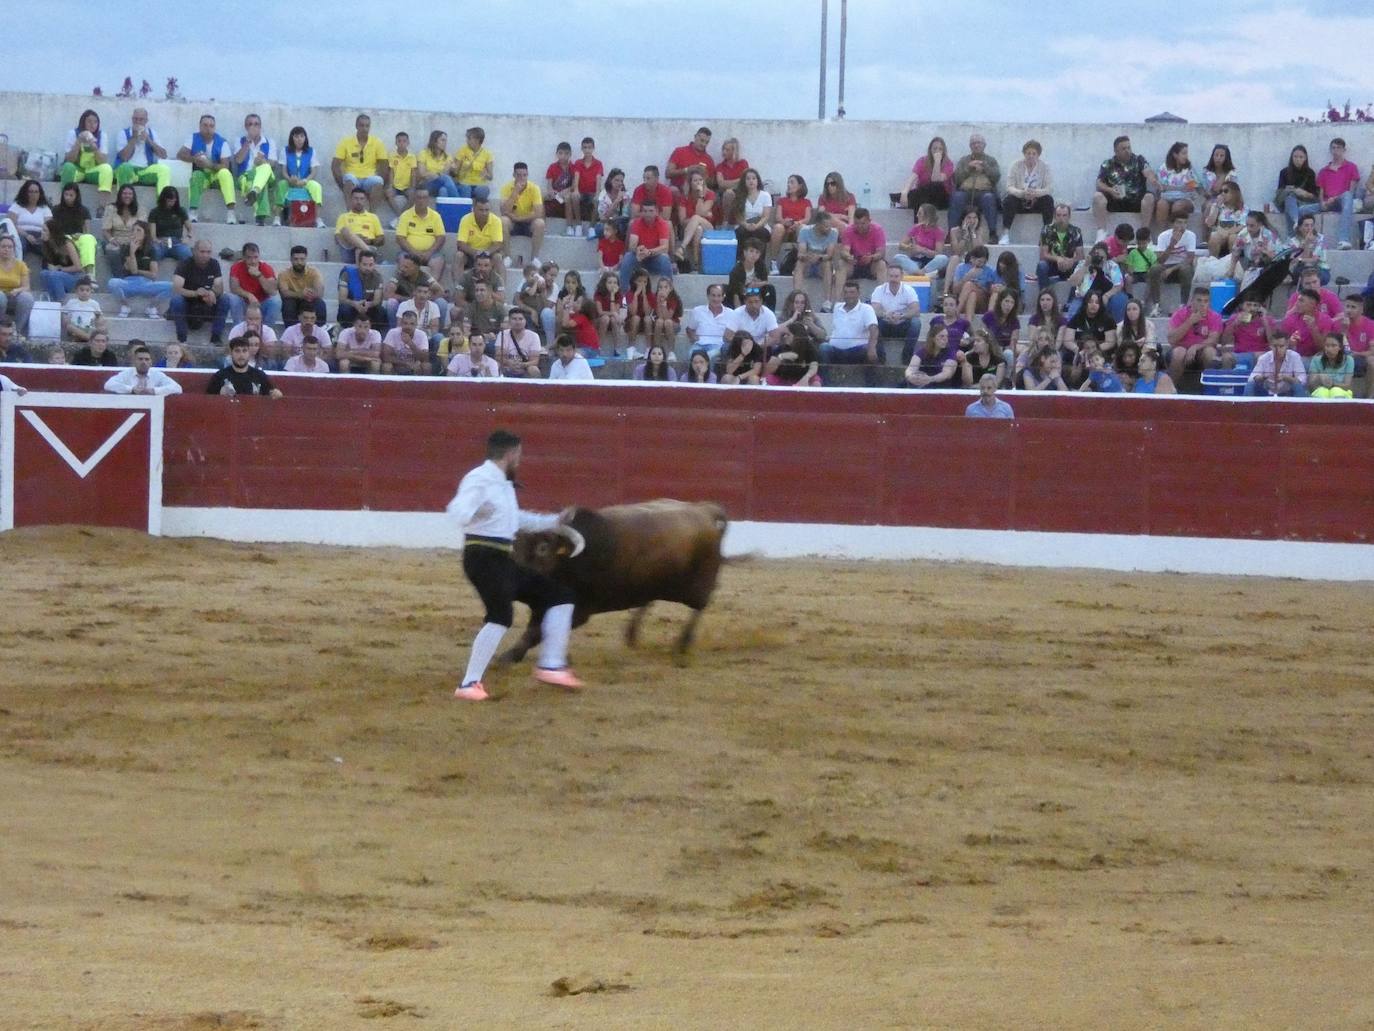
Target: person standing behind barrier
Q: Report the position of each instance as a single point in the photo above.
(988, 405)
(140, 377)
(139, 160)
(209, 155)
(240, 377)
(87, 158)
(486, 508)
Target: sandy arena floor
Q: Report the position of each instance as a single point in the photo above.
(235, 793)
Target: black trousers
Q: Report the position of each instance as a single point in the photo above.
(1011, 207)
(291, 310)
(500, 582)
(930, 193)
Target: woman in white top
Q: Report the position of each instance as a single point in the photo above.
(30, 211)
(87, 158)
(756, 212)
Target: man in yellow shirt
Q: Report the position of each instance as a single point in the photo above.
(479, 232)
(420, 233)
(361, 160)
(522, 210)
(472, 162)
(402, 164)
(357, 228)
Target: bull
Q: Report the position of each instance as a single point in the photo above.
(633, 555)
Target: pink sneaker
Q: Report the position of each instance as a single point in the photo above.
(564, 677)
(473, 692)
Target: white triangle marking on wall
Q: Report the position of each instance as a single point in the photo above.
(82, 469)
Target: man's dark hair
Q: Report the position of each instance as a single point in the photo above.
(366, 254)
(861, 213)
(139, 347)
(1309, 292)
(1204, 291)
(520, 165)
(651, 168)
(358, 189)
(703, 129)
(1120, 140)
(851, 282)
(500, 442)
(564, 340)
(251, 246)
(1336, 141)
(516, 311)
(565, 145)
(648, 202)
(300, 249)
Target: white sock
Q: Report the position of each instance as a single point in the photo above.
(557, 625)
(484, 646)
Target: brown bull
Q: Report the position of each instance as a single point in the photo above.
(634, 555)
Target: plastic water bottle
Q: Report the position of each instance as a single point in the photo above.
(868, 194)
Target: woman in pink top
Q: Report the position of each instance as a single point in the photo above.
(932, 179)
(837, 200)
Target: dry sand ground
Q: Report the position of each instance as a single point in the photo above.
(237, 794)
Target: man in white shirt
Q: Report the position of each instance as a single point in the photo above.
(8, 384)
(853, 334)
(988, 405)
(309, 360)
(141, 377)
(1177, 250)
(429, 317)
(518, 348)
(360, 346)
(485, 505)
(568, 364)
(898, 309)
(706, 328)
(139, 159)
(474, 362)
(293, 337)
(752, 317)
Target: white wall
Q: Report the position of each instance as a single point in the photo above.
(879, 152)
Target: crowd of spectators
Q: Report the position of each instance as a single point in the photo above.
(447, 309)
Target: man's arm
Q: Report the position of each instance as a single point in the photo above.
(163, 384)
(120, 383)
(127, 151)
(1177, 333)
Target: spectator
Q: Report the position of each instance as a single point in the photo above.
(923, 250)
(666, 317)
(473, 162)
(252, 323)
(935, 363)
(971, 284)
(1177, 249)
(1246, 334)
(648, 245)
(171, 226)
(898, 309)
(1180, 184)
(436, 168)
(479, 232)
(484, 313)
(610, 310)
(420, 233)
(357, 229)
(1047, 316)
(1227, 221)
(863, 249)
(1218, 171)
(1328, 303)
(698, 369)
(1309, 250)
(309, 360)
(655, 366)
(794, 212)
(141, 377)
(755, 211)
(1298, 193)
(613, 203)
(708, 322)
(405, 349)
(359, 347)
(1124, 183)
(361, 289)
(55, 356)
(1061, 247)
(139, 274)
(81, 315)
(96, 351)
(1365, 205)
(754, 319)
(1099, 377)
(799, 332)
(730, 180)
(975, 183)
(697, 214)
(475, 363)
(1029, 191)
(950, 318)
(932, 180)
(429, 317)
(1045, 371)
(751, 271)
(1003, 321)
(1337, 183)
(483, 271)
(522, 207)
(985, 356)
(1358, 330)
(139, 160)
(10, 349)
(301, 286)
(817, 252)
(610, 248)
(254, 166)
(1008, 272)
(1254, 247)
(1306, 324)
(651, 188)
(742, 361)
(578, 318)
(560, 188)
(1331, 372)
(401, 165)
(1092, 324)
(691, 157)
(360, 161)
(295, 337)
(836, 201)
(567, 363)
(1278, 372)
(174, 357)
(1134, 328)
(239, 376)
(86, 159)
(1194, 335)
(118, 223)
(1149, 379)
(209, 156)
(853, 333)
(299, 169)
(517, 348)
(964, 235)
(16, 298)
(988, 405)
(30, 212)
(1097, 273)
(533, 298)
(198, 294)
(61, 265)
(73, 221)
(588, 173)
(253, 281)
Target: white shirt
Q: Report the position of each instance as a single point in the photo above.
(485, 504)
(849, 329)
(293, 336)
(426, 321)
(577, 369)
(139, 157)
(461, 365)
(1187, 245)
(758, 326)
(708, 326)
(754, 208)
(8, 384)
(124, 381)
(296, 363)
(885, 302)
(268, 334)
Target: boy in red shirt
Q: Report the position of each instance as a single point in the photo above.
(1337, 182)
(590, 173)
(560, 197)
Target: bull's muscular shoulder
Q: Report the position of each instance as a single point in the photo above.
(666, 518)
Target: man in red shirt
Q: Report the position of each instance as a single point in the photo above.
(1194, 334)
(1337, 182)
(1328, 303)
(863, 247)
(689, 158)
(647, 246)
(651, 187)
(1306, 323)
(1359, 338)
(252, 281)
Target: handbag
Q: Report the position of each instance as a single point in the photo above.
(303, 214)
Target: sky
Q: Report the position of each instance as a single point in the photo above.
(1222, 61)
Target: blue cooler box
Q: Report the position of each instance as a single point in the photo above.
(921, 284)
(452, 210)
(1222, 292)
(718, 252)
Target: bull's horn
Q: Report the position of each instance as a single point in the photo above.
(578, 542)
